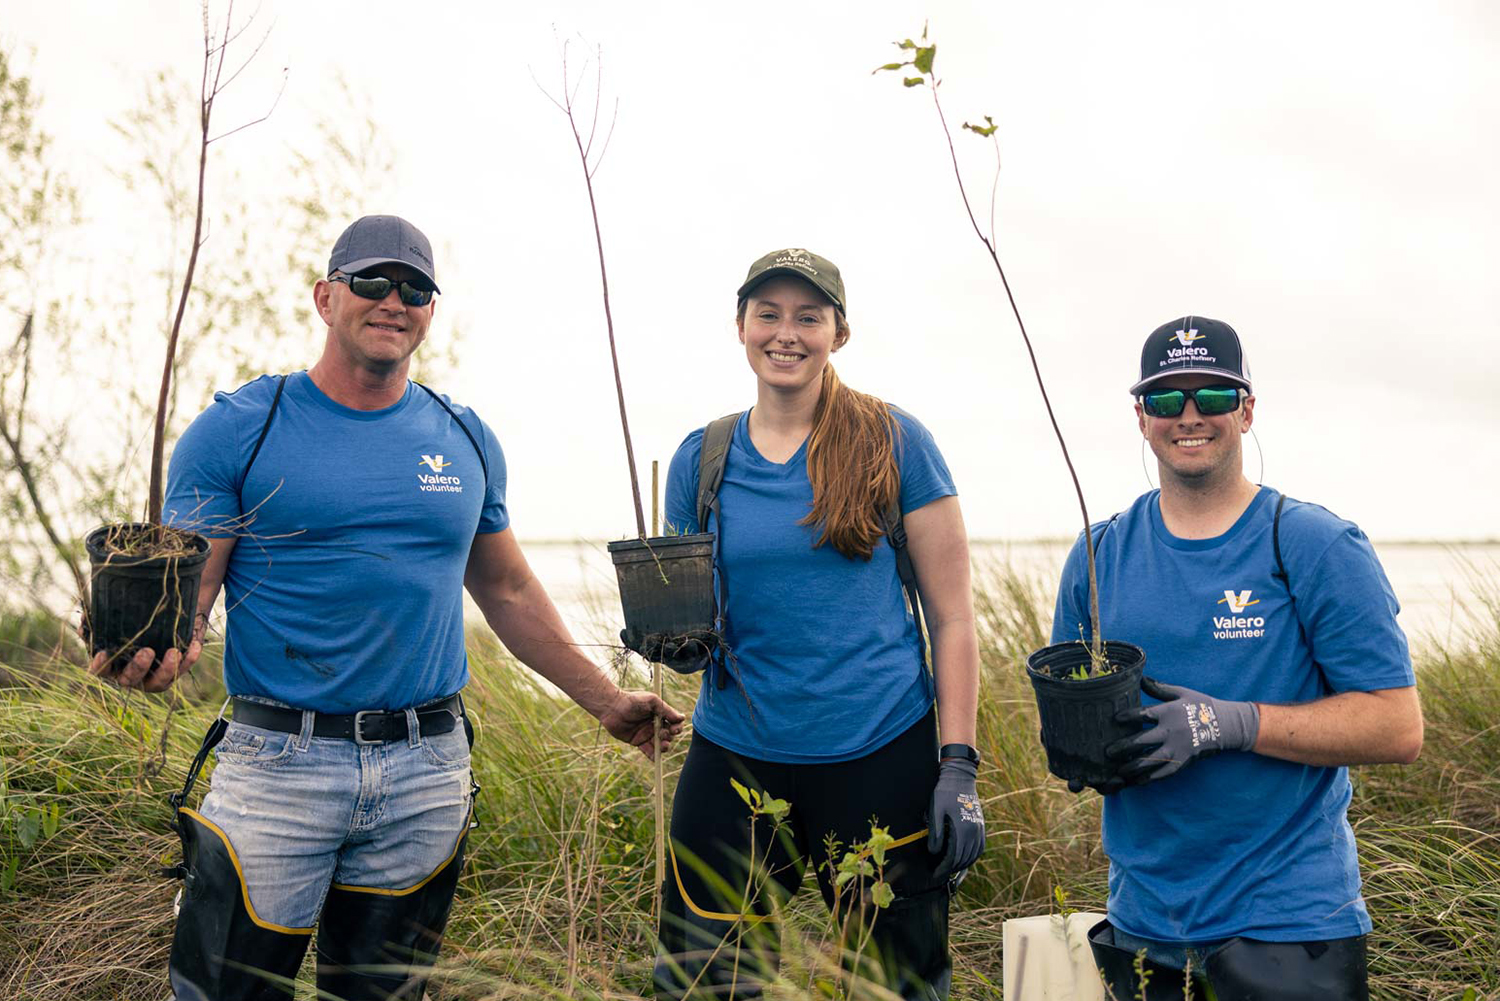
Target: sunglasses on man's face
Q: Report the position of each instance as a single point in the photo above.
(376, 287)
(1211, 401)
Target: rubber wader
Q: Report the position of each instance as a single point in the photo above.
(373, 944)
(379, 945)
(1241, 969)
(222, 950)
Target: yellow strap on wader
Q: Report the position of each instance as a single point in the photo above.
(754, 919)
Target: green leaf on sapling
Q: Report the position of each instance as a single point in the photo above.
(983, 130)
(923, 59)
(912, 81)
(882, 894)
(739, 788)
(880, 841)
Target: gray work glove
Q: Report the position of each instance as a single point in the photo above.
(955, 826)
(1188, 725)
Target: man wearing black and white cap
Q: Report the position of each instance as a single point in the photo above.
(348, 508)
(1275, 662)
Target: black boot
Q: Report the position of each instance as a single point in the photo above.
(222, 950)
(1118, 969)
(379, 945)
(1245, 969)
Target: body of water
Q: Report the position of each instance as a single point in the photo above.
(1434, 583)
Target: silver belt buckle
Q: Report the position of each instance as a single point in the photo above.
(359, 725)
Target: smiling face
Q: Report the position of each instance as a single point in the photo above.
(789, 329)
(375, 335)
(1190, 448)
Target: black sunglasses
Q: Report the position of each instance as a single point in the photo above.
(376, 287)
(1211, 401)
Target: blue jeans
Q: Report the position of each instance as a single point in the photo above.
(305, 813)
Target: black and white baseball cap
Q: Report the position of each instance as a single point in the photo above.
(1193, 344)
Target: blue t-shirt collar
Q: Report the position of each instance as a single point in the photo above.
(742, 439)
(1165, 536)
(302, 384)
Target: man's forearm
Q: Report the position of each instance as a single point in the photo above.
(1351, 728)
(528, 624)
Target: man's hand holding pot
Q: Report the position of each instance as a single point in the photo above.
(1185, 727)
(143, 672)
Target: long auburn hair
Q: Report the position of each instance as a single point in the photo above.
(851, 461)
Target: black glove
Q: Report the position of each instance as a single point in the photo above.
(1105, 788)
(1188, 725)
(955, 818)
(686, 654)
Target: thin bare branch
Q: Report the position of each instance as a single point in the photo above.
(231, 39)
(599, 160)
(248, 59)
(567, 107)
(213, 64)
(598, 100)
(285, 75)
(546, 93)
(1097, 644)
(994, 192)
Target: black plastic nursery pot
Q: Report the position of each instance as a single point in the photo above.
(142, 601)
(667, 594)
(1078, 715)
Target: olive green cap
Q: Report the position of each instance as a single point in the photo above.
(820, 271)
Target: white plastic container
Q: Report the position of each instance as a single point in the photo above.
(1047, 958)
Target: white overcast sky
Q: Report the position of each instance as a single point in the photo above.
(1321, 175)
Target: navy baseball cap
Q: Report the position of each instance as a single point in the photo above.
(382, 239)
(1196, 345)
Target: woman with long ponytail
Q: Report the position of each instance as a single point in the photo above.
(820, 694)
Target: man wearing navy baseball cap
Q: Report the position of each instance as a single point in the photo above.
(348, 507)
(1276, 662)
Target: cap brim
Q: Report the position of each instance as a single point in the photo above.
(769, 273)
(364, 263)
(1233, 377)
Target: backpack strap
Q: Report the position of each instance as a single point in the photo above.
(1280, 572)
(713, 456)
(895, 533)
(465, 429)
(1100, 537)
(264, 429)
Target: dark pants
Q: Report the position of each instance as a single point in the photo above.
(709, 951)
(1237, 969)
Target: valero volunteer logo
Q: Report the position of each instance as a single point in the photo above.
(435, 481)
(796, 258)
(1188, 351)
(1237, 625)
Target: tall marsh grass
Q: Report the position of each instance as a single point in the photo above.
(556, 899)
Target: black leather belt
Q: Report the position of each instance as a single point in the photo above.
(369, 726)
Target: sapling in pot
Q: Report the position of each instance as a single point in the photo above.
(144, 575)
(666, 581)
(1081, 684)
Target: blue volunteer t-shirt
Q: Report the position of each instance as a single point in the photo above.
(824, 648)
(345, 585)
(1240, 844)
